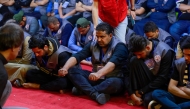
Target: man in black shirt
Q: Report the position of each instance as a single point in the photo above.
(178, 96)
(11, 36)
(149, 68)
(108, 60)
(50, 57)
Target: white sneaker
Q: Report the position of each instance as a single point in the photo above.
(154, 105)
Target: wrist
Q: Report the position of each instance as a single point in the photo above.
(140, 92)
(133, 9)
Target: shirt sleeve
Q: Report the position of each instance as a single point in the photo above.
(175, 74)
(65, 35)
(162, 77)
(120, 53)
(83, 54)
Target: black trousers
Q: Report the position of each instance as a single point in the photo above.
(46, 81)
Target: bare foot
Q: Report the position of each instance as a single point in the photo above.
(31, 85)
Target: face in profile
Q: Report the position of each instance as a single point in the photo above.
(186, 53)
(40, 52)
(103, 38)
(83, 31)
(152, 35)
(142, 54)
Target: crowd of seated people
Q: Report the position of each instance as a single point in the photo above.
(139, 47)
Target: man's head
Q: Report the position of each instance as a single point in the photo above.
(140, 46)
(151, 30)
(185, 46)
(83, 25)
(20, 19)
(11, 39)
(53, 23)
(39, 45)
(104, 34)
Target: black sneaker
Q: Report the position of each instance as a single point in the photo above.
(76, 91)
(102, 98)
(154, 105)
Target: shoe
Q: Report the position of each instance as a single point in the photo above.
(102, 98)
(76, 91)
(154, 105)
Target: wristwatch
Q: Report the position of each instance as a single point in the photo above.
(133, 9)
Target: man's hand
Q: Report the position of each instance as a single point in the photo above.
(62, 72)
(137, 100)
(153, 10)
(94, 76)
(137, 94)
(133, 14)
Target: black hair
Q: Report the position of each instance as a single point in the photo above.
(11, 35)
(104, 27)
(185, 44)
(137, 43)
(38, 41)
(150, 27)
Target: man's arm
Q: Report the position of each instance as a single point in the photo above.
(163, 73)
(176, 90)
(73, 42)
(120, 54)
(170, 4)
(184, 7)
(133, 13)
(95, 13)
(65, 34)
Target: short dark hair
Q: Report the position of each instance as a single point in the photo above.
(11, 35)
(104, 27)
(150, 27)
(185, 44)
(38, 41)
(137, 43)
(52, 19)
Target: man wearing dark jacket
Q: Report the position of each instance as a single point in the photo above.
(50, 57)
(149, 68)
(11, 36)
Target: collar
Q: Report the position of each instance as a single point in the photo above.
(2, 58)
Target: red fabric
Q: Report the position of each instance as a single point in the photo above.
(39, 99)
(112, 11)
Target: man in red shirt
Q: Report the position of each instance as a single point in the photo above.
(113, 12)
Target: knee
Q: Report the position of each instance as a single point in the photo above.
(156, 93)
(115, 83)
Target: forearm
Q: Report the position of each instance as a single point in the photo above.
(70, 13)
(178, 92)
(41, 3)
(95, 13)
(9, 3)
(132, 4)
(109, 67)
(184, 7)
(87, 8)
(140, 11)
(70, 63)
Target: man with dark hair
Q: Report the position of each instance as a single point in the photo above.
(59, 29)
(108, 54)
(149, 68)
(50, 57)
(178, 96)
(152, 31)
(12, 37)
